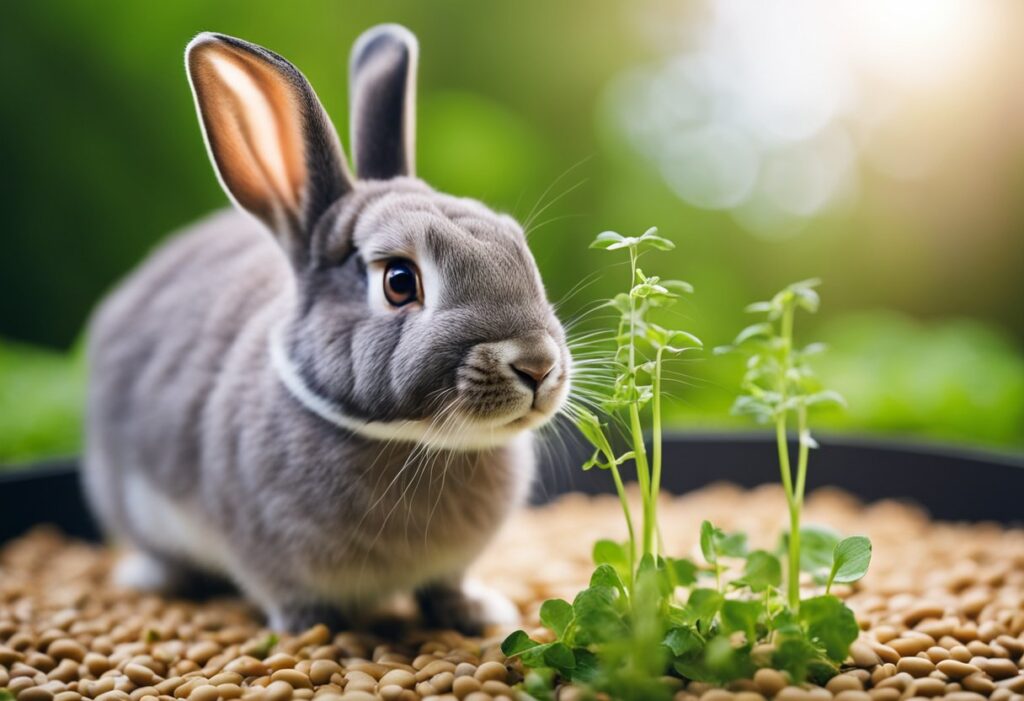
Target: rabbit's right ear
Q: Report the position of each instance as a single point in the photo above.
(274, 148)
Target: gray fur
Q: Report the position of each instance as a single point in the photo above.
(201, 459)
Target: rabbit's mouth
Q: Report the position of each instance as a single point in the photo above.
(532, 419)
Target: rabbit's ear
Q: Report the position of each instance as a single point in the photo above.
(273, 146)
(382, 87)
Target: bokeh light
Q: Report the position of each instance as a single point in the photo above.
(774, 110)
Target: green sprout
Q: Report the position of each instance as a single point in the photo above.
(780, 384)
(645, 615)
(639, 380)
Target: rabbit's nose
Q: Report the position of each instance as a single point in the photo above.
(532, 371)
(535, 356)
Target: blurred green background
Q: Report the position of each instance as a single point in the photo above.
(879, 146)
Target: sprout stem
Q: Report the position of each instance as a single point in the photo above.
(656, 440)
(621, 489)
(643, 474)
(793, 580)
(794, 498)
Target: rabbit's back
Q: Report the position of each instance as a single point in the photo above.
(157, 346)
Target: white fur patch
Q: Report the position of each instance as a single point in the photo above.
(424, 431)
(177, 526)
(136, 570)
(495, 607)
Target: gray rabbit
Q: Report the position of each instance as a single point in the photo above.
(327, 396)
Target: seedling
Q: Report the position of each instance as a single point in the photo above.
(641, 346)
(645, 615)
(780, 385)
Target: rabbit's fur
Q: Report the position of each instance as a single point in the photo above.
(259, 411)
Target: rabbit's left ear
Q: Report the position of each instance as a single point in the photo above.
(382, 88)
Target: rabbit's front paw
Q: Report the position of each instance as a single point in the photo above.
(143, 572)
(468, 606)
(297, 617)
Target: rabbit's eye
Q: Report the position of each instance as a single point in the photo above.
(402, 282)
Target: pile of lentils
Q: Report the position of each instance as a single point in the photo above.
(942, 614)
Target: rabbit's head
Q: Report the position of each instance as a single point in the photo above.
(419, 315)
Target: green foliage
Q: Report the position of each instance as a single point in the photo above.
(644, 614)
(829, 623)
(42, 395)
(641, 346)
(778, 378)
(762, 571)
(817, 544)
(779, 385)
(954, 380)
(608, 640)
(714, 542)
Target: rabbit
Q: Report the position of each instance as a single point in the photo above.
(325, 395)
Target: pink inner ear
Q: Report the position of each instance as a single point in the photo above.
(253, 123)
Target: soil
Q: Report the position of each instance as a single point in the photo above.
(942, 613)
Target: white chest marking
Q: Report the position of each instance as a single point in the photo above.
(425, 431)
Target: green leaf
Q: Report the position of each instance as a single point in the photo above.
(597, 619)
(850, 560)
(703, 605)
(559, 656)
(611, 553)
(593, 461)
(707, 542)
(741, 616)
(672, 341)
(684, 642)
(678, 286)
(761, 330)
(825, 397)
(733, 544)
(795, 654)
(620, 303)
(653, 572)
(756, 407)
(657, 335)
(684, 571)
(725, 662)
(650, 239)
(590, 426)
(556, 614)
(829, 623)
(805, 296)
(539, 684)
(715, 543)
(762, 571)
(517, 643)
(816, 546)
(587, 665)
(606, 576)
(609, 240)
(758, 307)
